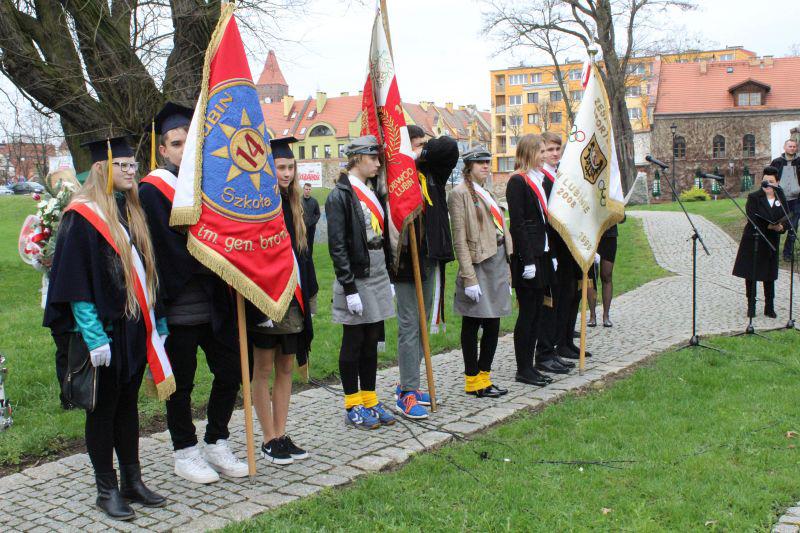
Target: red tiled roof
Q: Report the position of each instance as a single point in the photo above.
(271, 74)
(683, 88)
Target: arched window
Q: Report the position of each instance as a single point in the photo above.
(679, 148)
(718, 151)
(749, 145)
(320, 131)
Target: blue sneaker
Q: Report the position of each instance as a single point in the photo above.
(423, 398)
(410, 408)
(362, 418)
(379, 411)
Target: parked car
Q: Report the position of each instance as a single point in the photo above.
(5, 191)
(27, 187)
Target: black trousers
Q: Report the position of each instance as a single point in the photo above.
(114, 424)
(525, 330)
(62, 350)
(358, 357)
(769, 295)
(224, 364)
(469, 343)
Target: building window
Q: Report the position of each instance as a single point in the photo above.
(341, 151)
(518, 79)
(294, 115)
(302, 131)
(505, 164)
(749, 145)
(533, 118)
(555, 118)
(533, 98)
(636, 69)
(515, 99)
(679, 148)
(320, 131)
(500, 82)
(302, 152)
(576, 96)
(744, 99)
(635, 113)
(315, 152)
(311, 114)
(327, 151)
(555, 96)
(515, 120)
(286, 131)
(726, 57)
(634, 91)
(536, 78)
(718, 148)
(575, 74)
(514, 141)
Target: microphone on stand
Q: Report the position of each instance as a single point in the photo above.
(775, 186)
(712, 176)
(656, 162)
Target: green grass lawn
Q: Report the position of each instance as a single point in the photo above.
(41, 427)
(692, 441)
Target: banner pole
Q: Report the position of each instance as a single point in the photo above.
(423, 320)
(248, 401)
(582, 361)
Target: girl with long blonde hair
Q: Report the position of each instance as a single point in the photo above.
(93, 297)
(276, 345)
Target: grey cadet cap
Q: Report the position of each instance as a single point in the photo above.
(479, 153)
(366, 145)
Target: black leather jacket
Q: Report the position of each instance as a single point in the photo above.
(347, 235)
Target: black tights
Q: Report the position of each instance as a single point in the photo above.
(469, 343)
(114, 424)
(358, 357)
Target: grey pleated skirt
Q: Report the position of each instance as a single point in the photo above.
(494, 279)
(375, 292)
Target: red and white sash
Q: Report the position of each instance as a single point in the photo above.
(366, 195)
(537, 190)
(494, 209)
(163, 180)
(156, 355)
(549, 175)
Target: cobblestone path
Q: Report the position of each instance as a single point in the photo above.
(60, 495)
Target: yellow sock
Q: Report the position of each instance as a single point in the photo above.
(473, 383)
(486, 380)
(351, 400)
(369, 398)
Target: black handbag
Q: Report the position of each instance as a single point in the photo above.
(82, 379)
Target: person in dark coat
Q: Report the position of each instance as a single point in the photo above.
(435, 159)
(532, 266)
(787, 165)
(93, 297)
(277, 344)
(311, 214)
(199, 310)
(765, 210)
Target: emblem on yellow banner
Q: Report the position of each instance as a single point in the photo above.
(593, 162)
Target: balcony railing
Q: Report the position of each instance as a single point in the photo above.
(499, 88)
(501, 109)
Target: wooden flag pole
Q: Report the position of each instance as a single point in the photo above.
(582, 360)
(248, 401)
(423, 320)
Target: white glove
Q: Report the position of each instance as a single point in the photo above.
(555, 264)
(392, 286)
(473, 292)
(529, 272)
(596, 259)
(267, 324)
(354, 304)
(101, 356)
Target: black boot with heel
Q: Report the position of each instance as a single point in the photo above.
(109, 499)
(133, 489)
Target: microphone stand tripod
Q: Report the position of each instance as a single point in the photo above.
(790, 323)
(694, 341)
(751, 300)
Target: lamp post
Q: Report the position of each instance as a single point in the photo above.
(673, 128)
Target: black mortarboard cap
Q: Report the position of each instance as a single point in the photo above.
(99, 148)
(172, 116)
(281, 148)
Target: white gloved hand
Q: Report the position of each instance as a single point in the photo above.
(354, 304)
(101, 356)
(267, 324)
(529, 272)
(555, 264)
(473, 292)
(392, 286)
(596, 259)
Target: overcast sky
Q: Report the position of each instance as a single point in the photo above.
(440, 54)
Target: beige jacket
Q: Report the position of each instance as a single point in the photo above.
(474, 242)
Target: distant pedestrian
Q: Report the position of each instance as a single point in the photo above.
(788, 164)
(311, 216)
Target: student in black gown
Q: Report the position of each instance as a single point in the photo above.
(764, 208)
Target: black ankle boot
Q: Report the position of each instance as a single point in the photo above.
(132, 488)
(109, 500)
(769, 310)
